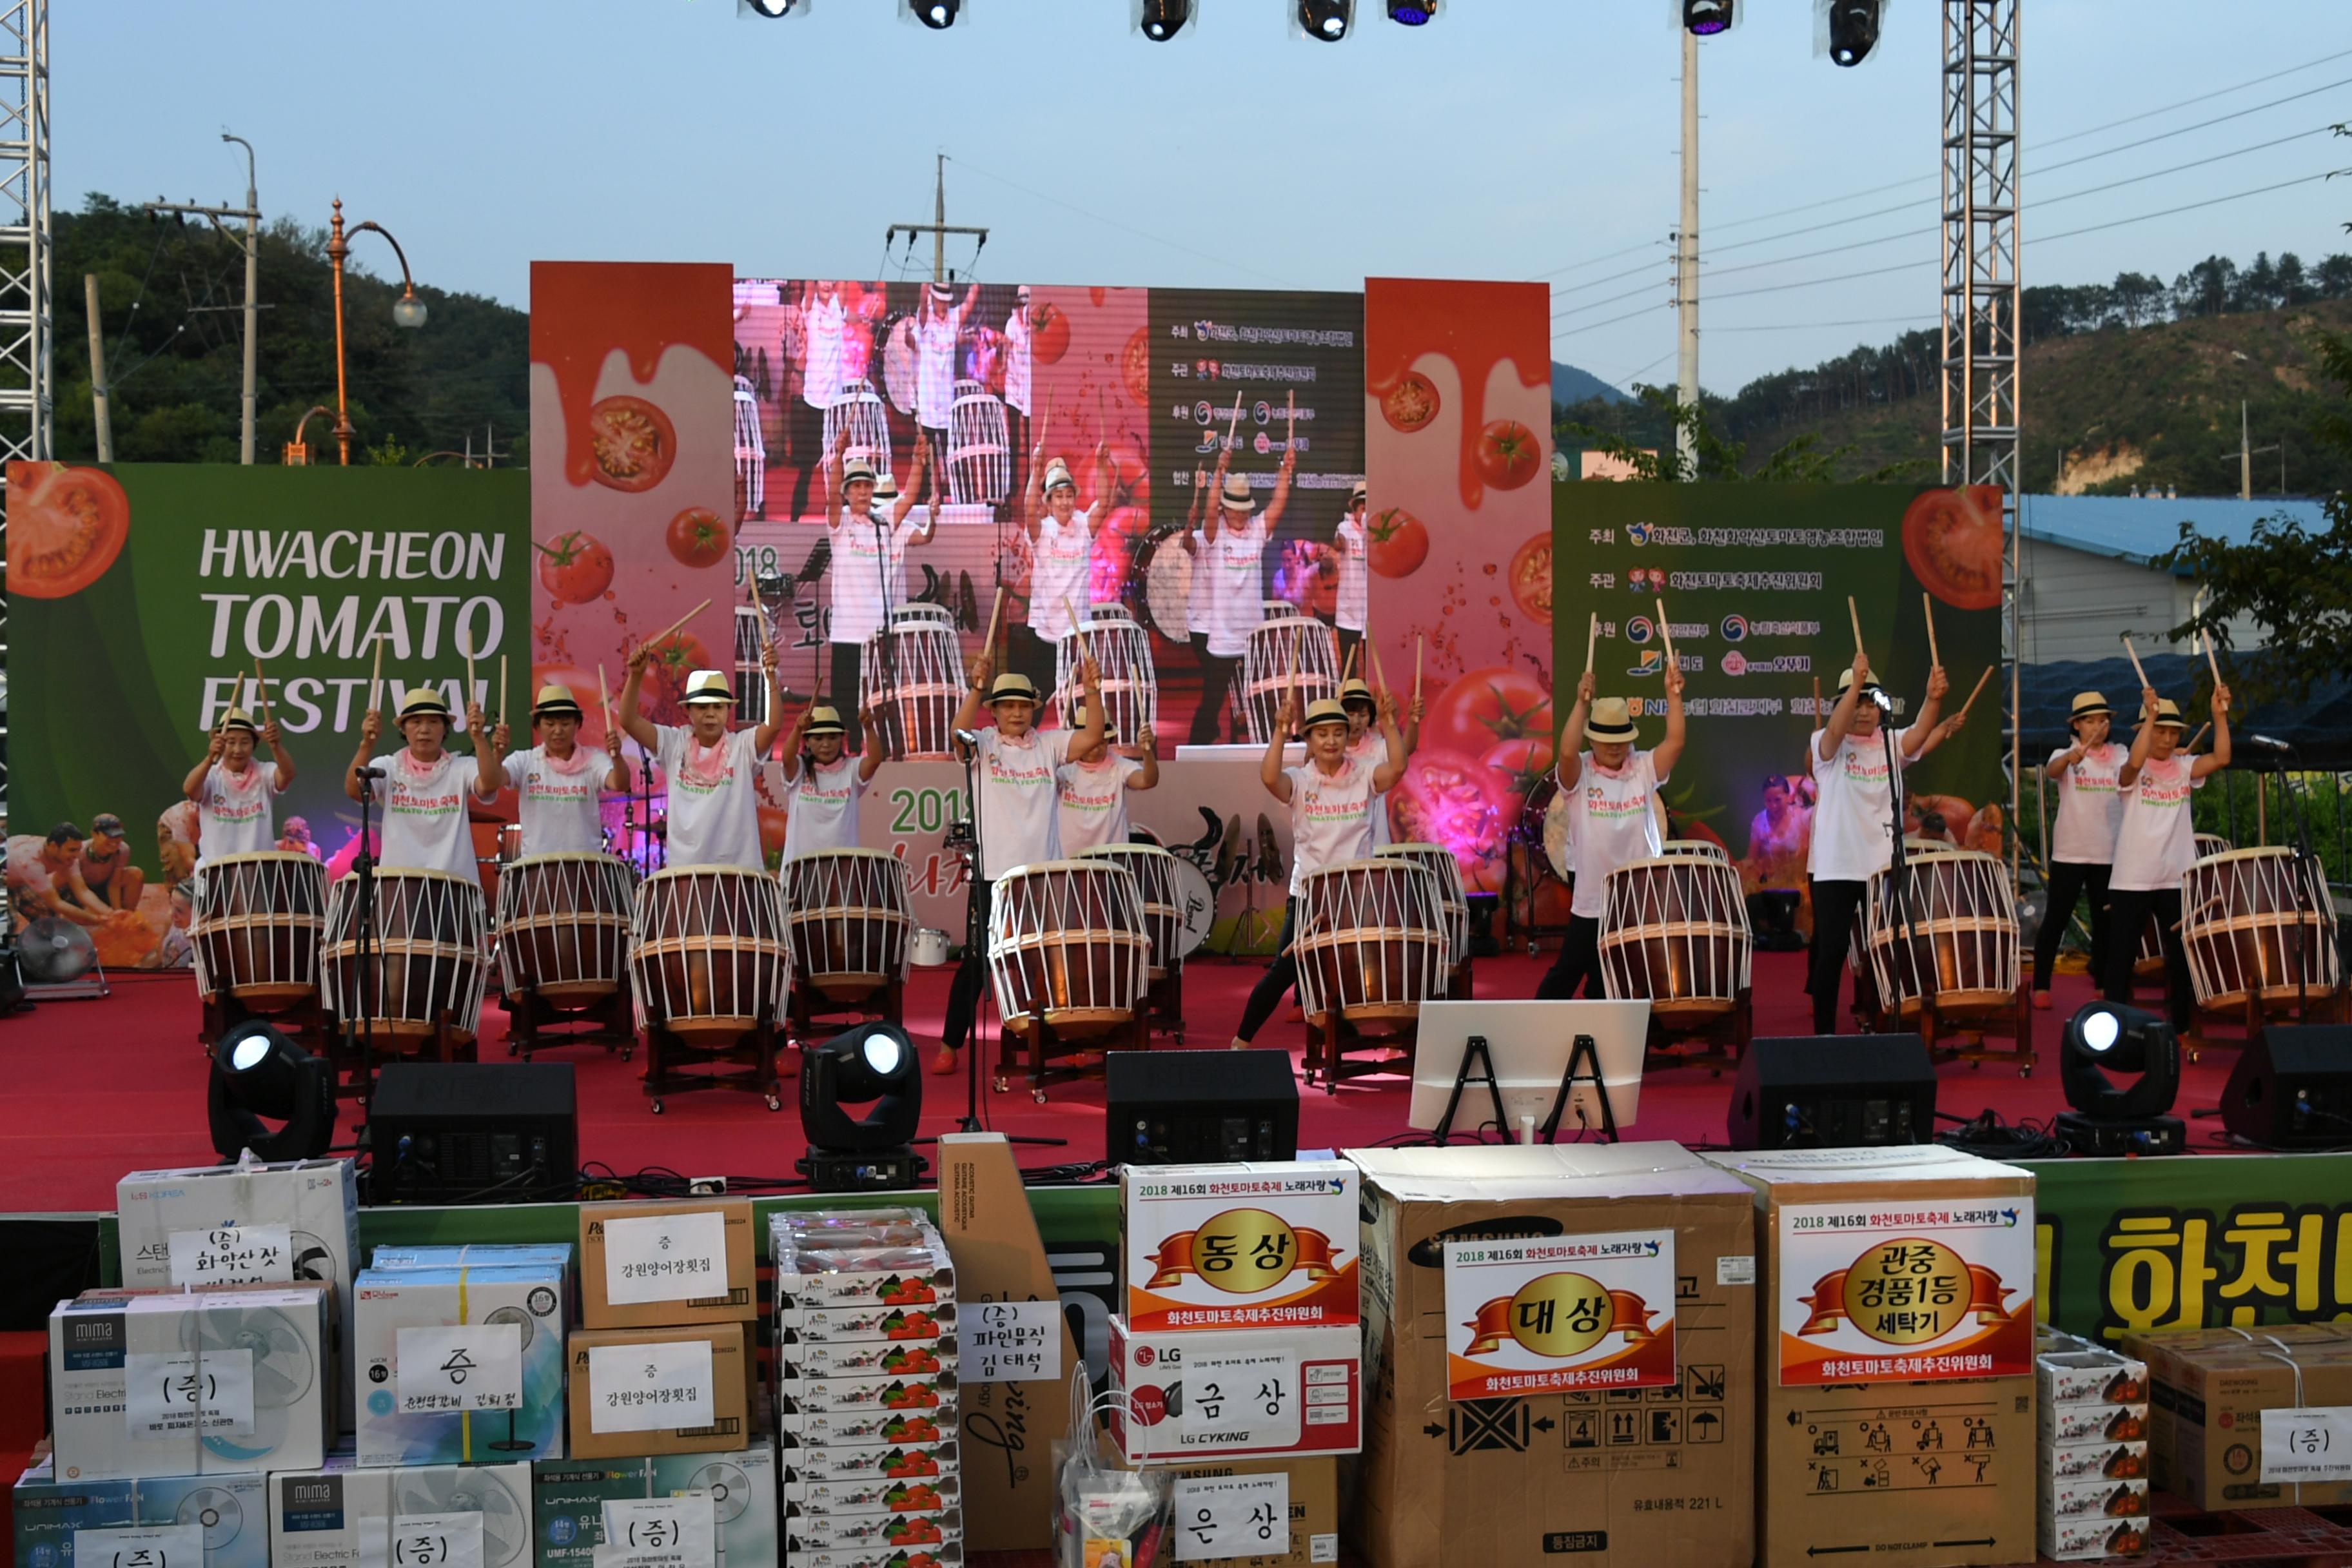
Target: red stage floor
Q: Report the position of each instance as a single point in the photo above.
(97, 1089)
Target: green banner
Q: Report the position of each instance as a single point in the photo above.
(138, 593)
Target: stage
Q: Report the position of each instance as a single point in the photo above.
(101, 1087)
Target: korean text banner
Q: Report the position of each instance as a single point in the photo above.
(138, 595)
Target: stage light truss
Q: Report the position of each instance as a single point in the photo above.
(26, 431)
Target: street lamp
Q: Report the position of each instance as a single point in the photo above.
(408, 311)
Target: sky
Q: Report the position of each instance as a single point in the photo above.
(1510, 139)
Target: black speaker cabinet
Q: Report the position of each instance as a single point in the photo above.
(1833, 1091)
(460, 1132)
(2292, 1087)
(1182, 1108)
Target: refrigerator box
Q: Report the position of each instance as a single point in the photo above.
(1240, 1246)
(342, 1514)
(459, 1365)
(46, 1514)
(680, 1389)
(647, 1264)
(1243, 1393)
(568, 1497)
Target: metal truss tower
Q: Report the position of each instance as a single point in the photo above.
(25, 283)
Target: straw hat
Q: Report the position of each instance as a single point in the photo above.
(825, 720)
(238, 719)
(1057, 474)
(554, 701)
(1356, 495)
(1011, 687)
(1354, 690)
(855, 469)
(708, 685)
(2088, 705)
(1322, 711)
(2167, 714)
(423, 703)
(1608, 720)
(1236, 496)
(1845, 681)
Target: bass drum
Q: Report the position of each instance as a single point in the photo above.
(1164, 567)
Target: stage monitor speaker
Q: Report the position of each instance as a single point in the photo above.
(1833, 1091)
(453, 1132)
(2292, 1087)
(1181, 1108)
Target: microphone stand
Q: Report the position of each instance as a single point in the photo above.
(1898, 874)
(2315, 887)
(365, 955)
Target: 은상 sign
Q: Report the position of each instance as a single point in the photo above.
(1554, 1314)
(1935, 1289)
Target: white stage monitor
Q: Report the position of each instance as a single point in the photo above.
(1529, 1043)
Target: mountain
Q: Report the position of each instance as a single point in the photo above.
(1571, 386)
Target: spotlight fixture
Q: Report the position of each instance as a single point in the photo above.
(772, 8)
(2109, 1118)
(1854, 30)
(1163, 19)
(936, 13)
(1326, 20)
(1411, 13)
(872, 1065)
(1707, 17)
(257, 1073)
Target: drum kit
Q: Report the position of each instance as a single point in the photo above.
(1161, 893)
(1372, 945)
(1293, 652)
(2261, 937)
(1131, 684)
(912, 673)
(1947, 962)
(848, 918)
(1068, 958)
(1676, 932)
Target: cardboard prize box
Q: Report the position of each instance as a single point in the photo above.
(568, 1497)
(1559, 1343)
(46, 1513)
(504, 1323)
(644, 1265)
(1314, 1484)
(669, 1395)
(2208, 1389)
(341, 1516)
(1238, 1246)
(1898, 1344)
(1243, 1393)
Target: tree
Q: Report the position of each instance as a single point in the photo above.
(1716, 458)
(2139, 299)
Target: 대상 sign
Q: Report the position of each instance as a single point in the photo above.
(1905, 1290)
(1553, 1315)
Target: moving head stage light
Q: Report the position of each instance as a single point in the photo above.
(2109, 1119)
(872, 1065)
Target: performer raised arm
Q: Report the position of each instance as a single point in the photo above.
(1612, 793)
(714, 818)
(1366, 743)
(858, 564)
(1092, 786)
(1332, 799)
(2083, 840)
(232, 796)
(424, 787)
(557, 781)
(823, 787)
(2156, 843)
(1854, 816)
(1061, 569)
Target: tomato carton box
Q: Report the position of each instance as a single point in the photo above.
(1239, 1246)
(1252, 1393)
(894, 1461)
(888, 1533)
(814, 1275)
(874, 1494)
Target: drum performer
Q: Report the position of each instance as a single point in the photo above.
(1061, 547)
(869, 555)
(938, 322)
(231, 795)
(1228, 565)
(1610, 790)
(821, 787)
(2082, 843)
(1853, 816)
(2156, 843)
(556, 780)
(1092, 789)
(714, 815)
(1019, 375)
(425, 787)
(1012, 775)
(1366, 746)
(1331, 798)
(1345, 554)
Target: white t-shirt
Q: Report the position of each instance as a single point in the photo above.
(1355, 580)
(1371, 749)
(1093, 801)
(821, 807)
(1330, 818)
(2090, 806)
(2157, 842)
(1614, 825)
(868, 557)
(1231, 563)
(714, 815)
(1019, 803)
(1016, 360)
(1853, 803)
(1060, 574)
(557, 801)
(824, 321)
(935, 340)
(425, 824)
(234, 813)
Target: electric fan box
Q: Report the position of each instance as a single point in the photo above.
(222, 1382)
(315, 1201)
(645, 1266)
(340, 1514)
(1270, 1245)
(520, 1359)
(47, 1511)
(567, 1498)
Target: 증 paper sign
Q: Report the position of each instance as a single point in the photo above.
(1554, 1314)
(232, 1255)
(2311, 1444)
(649, 1387)
(679, 1530)
(152, 1546)
(175, 1395)
(1931, 1289)
(450, 1367)
(1011, 1341)
(665, 1257)
(434, 1541)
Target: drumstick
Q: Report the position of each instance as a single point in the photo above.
(2136, 668)
(1235, 422)
(502, 688)
(466, 646)
(1980, 686)
(1379, 671)
(375, 679)
(1085, 650)
(994, 610)
(2211, 662)
(1856, 615)
(2197, 737)
(1666, 634)
(236, 692)
(1592, 638)
(678, 623)
(1350, 672)
(261, 688)
(752, 592)
(1927, 603)
(603, 697)
(1416, 664)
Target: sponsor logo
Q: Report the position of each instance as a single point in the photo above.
(1638, 532)
(1735, 663)
(1735, 629)
(1639, 630)
(1653, 662)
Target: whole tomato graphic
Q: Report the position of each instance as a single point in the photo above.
(1953, 541)
(1049, 334)
(1524, 764)
(1487, 707)
(575, 567)
(1395, 543)
(66, 526)
(1531, 578)
(1508, 454)
(676, 659)
(1411, 403)
(1446, 797)
(697, 538)
(633, 443)
(1135, 368)
(773, 823)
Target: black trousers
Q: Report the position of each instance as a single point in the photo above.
(1280, 976)
(1217, 686)
(963, 992)
(1578, 967)
(1834, 904)
(842, 688)
(2069, 879)
(1348, 641)
(805, 438)
(2128, 912)
(1028, 654)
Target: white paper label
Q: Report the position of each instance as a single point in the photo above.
(435, 1541)
(1254, 1393)
(167, 1396)
(678, 1532)
(1232, 1516)
(374, 1535)
(1736, 1268)
(2314, 1444)
(233, 1255)
(463, 1366)
(1011, 1342)
(649, 1389)
(665, 1257)
(147, 1546)
(1323, 1548)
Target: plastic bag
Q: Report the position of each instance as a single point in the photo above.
(1105, 1516)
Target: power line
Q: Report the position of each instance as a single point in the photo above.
(2201, 97)
(1813, 326)
(2192, 206)
(1592, 260)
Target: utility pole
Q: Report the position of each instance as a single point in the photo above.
(2245, 456)
(939, 228)
(1686, 264)
(98, 369)
(251, 244)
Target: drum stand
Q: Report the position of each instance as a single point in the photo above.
(804, 1005)
(536, 1025)
(1163, 1002)
(668, 1054)
(1050, 1054)
(1722, 1037)
(1330, 1037)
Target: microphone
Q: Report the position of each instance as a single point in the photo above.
(968, 737)
(369, 773)
(2264, 743)
(1886, 704)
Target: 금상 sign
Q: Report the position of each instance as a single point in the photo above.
(1554, 1314)
(1928, 1291)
